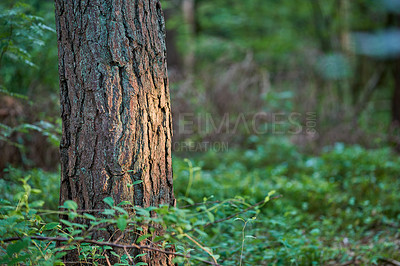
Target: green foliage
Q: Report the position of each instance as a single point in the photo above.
(27, 238)
(338, 207)
(23, 37)
(49, 130)
(45, 183)
(343, 200)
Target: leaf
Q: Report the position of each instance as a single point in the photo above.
(121, 210)
(50, 226)
(268, 197)
(76, 232)
(70, 205)
(67, 223)
(142, 237)
(211, 217)
(125, 203)
(109, 201)
(122, 223)
(89, 216)
(72, 215)
(140, 263)
(16, 247)
(158, 238)
(36, 191)
(135, 183)
(108, 212)
(38, 203)
(115, 254)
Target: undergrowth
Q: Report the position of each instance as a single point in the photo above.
(270, 205)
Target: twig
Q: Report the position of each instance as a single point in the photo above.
(238, 213)
(200, 246)
(115, 245)
(199, 203)
(129, 256)
(108, 261)
(368, 92)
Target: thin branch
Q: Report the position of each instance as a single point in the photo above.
(238, 213)
(114, 245)
(200, 246)
(108, 261)
(368, 90)
(129, 256)
(199, 204)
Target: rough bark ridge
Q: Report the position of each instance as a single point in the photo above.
(115, 105)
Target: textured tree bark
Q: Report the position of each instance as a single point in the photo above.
(115, 107)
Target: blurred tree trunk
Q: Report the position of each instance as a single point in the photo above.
(396, 105)
(174, 58)
(345, 11)
(189, 16)
(394, 21)
(115, 108)
(322, 30)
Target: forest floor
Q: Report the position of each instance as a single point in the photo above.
(340, 207)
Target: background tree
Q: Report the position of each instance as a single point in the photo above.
(115, 107)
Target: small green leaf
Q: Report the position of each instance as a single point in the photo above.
(67, 223)
(268, 197)
(121, 210)
(122, 223)
(109, 201)
(36, 191)
(211, 217)
(76, 232)
(70, 205)
(142, 237)
(72, 215)
(50, 226)
(115, 254)
(89, 216)
(124, 203)
(108, 212)
(37, 203)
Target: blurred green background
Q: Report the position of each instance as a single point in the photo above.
(307, 94)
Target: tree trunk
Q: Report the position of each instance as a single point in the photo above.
(395, 128)
(189, 17)
(394, 21)
(115, 107)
